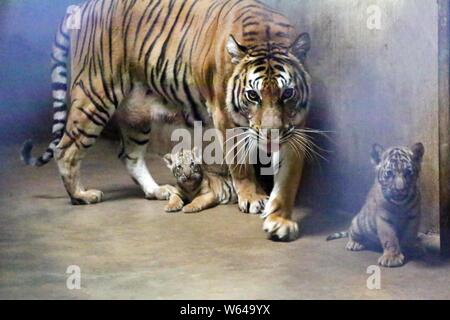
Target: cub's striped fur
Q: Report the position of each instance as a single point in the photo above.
(238, 62)
(197, 188)
(391, 215)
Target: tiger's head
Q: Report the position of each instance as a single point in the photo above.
(186, 166)
(269, 88)
(398, 169)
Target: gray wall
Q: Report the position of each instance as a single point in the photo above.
(27, 30)
(372, 86)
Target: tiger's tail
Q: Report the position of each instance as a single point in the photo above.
(59, 58)
(338, 235)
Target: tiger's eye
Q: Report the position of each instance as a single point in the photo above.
(389, 174)
(288, 94)
(252, 95)
(409, 173)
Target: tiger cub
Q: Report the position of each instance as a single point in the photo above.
(197, 188)
(390, 217)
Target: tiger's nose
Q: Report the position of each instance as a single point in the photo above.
(271, 120)
(187, 173)
(399, 184)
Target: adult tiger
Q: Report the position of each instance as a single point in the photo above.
(237, 61)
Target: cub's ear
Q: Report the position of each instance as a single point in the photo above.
(418, 151)
(197, 155)
(377, 152)
(301, 46)
(235, 50)
(168, 160)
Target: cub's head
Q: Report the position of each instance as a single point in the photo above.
(269, 88)
(398, 170)
(186, 167)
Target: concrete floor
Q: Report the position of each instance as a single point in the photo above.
(127, 247)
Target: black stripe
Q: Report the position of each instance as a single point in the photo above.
(92, 118)
(251, 23)
(162, 54)
(87, 135)
(250, 33)
(56, 86)
(141, 20)
(155, 41)
(149, 31)
(282, 34)
(61, 47)
(99, 108)
(192, 103)
(58, 122)
(259, 69)
(139, 142)
(60, 109)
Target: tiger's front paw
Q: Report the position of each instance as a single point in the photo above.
(160, 193)
(87, 197)
(173, 207)
(391, 260)
(252, 203)
(191, 208)
(281, 229)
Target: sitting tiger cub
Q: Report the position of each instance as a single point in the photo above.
(390, 217)
(196, 187)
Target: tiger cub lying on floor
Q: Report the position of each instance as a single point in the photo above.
(390, 217)
(197, 188)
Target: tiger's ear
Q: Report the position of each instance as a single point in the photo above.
(377, 152)
(301, 46)
(418, 151)
(197, 155)
(168, 160)
(235, 50)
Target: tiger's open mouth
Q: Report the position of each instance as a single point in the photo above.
(247, 140)
(399, 196)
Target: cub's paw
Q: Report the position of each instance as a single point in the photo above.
(354, 246)
(252, 203)
(160, 193)
(87, 197)
(391, 260)
(173, 207)
(281, 229)
(191, 208)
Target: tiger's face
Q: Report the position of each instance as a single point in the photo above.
(398, 170)
(269, 88)
(186, 168)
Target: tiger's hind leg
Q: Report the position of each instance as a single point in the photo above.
(356, 237)
(134, 116)
(134, 148)
(85, 123)
(354, 246)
